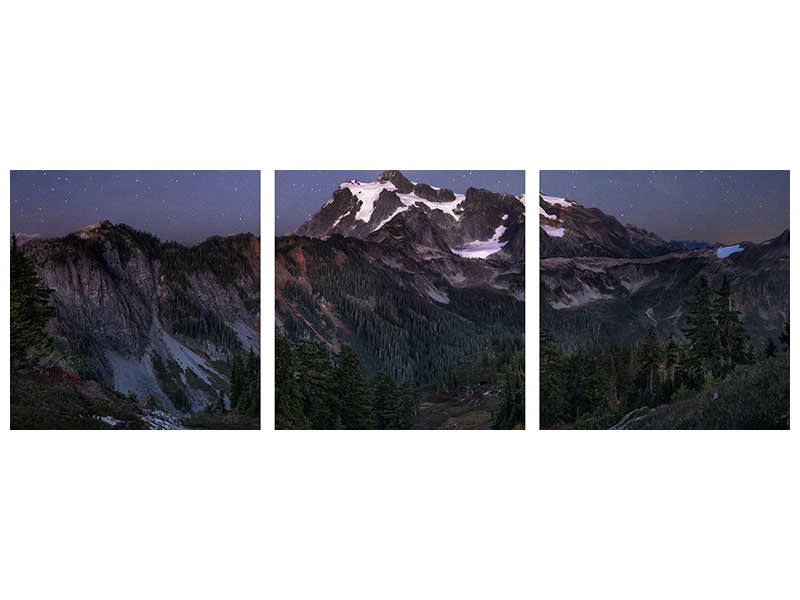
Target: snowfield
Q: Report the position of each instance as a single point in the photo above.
(546, 215)
(482, 249)
(368, 193)
(726, 251)
(556, 201)
(553, 231)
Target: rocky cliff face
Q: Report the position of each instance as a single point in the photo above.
(150, 317)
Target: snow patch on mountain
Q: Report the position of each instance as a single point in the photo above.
(553, 231)
(546, 215)
(556, 201)
(448, 207)
(726, 251)
(585, 295)
(437, 296)
(482, 249)
(368, 193)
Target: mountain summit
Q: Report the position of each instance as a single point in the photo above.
(477, 224)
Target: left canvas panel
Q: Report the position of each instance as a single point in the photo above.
(135, 300)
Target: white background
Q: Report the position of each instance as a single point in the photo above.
(414, 85)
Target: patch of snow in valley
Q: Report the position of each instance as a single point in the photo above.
(482, 249)
(586, 295)
(553, 231)
(159, 419)
(726, 251)
(437, 296)
(634, 285)
(650, 315)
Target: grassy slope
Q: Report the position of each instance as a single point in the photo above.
(752, 397)
(56, 399)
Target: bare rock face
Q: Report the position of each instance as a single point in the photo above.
(152, 318)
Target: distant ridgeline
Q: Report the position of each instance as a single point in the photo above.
(161, 321)
(603, 282)
(412, 277)
(637, 332)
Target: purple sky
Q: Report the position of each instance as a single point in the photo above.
(299, 194)
(716, 206)
(185, 206)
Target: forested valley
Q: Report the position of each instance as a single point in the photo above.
(319, 389)
(708, 376)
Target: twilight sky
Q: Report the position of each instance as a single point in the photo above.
(185, 206)
(299, 194)
(716, 206)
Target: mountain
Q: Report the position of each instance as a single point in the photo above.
(477, 224)
(693, 244)
(411, 276)
(602, 282)
(567, 228)
(160, 320)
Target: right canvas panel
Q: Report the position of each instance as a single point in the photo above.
(664, 299)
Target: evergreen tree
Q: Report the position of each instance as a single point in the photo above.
(237, 381)
(353, 391)
(704, 351)
(315, 378)
(770, 349)
(252, 385)
(783, 338)
(553, 406)
(288, 399)
(650, 356)
(512, 410)
(730, 330)
(29, 310)
(390, 412)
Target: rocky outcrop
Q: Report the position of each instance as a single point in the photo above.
(152, 318)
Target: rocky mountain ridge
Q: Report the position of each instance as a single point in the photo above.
(596, 275)
(567, 228)
(148, 317)
(476, 224)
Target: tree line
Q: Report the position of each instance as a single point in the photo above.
(593, 388)
(318, 389)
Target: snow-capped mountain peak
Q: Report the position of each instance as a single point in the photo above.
(472, 222)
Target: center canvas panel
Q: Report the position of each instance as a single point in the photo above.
(400, 300)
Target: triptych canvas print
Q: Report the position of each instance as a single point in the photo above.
(399, 300)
